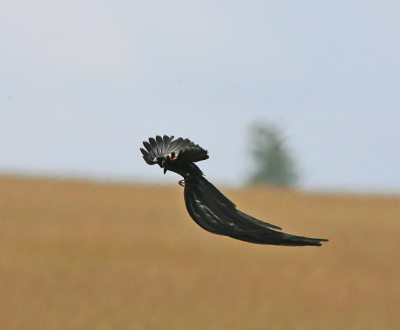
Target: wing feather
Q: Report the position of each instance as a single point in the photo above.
(160, 147)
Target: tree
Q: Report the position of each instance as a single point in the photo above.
(273, 162)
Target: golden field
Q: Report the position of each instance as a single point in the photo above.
(84, 255)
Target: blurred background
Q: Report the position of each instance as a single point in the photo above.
(83, 84)
(302, 95)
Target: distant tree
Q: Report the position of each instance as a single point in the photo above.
(274, 164)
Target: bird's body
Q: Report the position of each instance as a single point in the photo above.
(207, 206)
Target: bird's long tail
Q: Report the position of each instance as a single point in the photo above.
(214, 212)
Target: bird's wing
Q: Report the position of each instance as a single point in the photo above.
(179, 149)
(214, 212)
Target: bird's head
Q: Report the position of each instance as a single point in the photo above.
(165, 162)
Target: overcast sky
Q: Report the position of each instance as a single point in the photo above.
(83, 83)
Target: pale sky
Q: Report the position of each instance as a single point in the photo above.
(83, 83)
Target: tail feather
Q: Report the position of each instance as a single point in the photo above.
(214, 212)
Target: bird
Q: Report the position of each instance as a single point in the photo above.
(206, 205)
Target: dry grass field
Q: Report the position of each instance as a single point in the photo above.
(84, 255)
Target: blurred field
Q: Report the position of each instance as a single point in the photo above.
(82, 255)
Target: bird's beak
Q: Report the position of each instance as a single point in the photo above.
(165, 170)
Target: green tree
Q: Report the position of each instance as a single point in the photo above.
(274, 164)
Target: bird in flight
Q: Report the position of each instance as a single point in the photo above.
(207, 206)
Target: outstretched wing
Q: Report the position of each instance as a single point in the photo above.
(179, 149)
(214, 212)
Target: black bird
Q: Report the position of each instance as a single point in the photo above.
(207, 206)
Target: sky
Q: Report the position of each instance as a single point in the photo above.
(83, 83)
